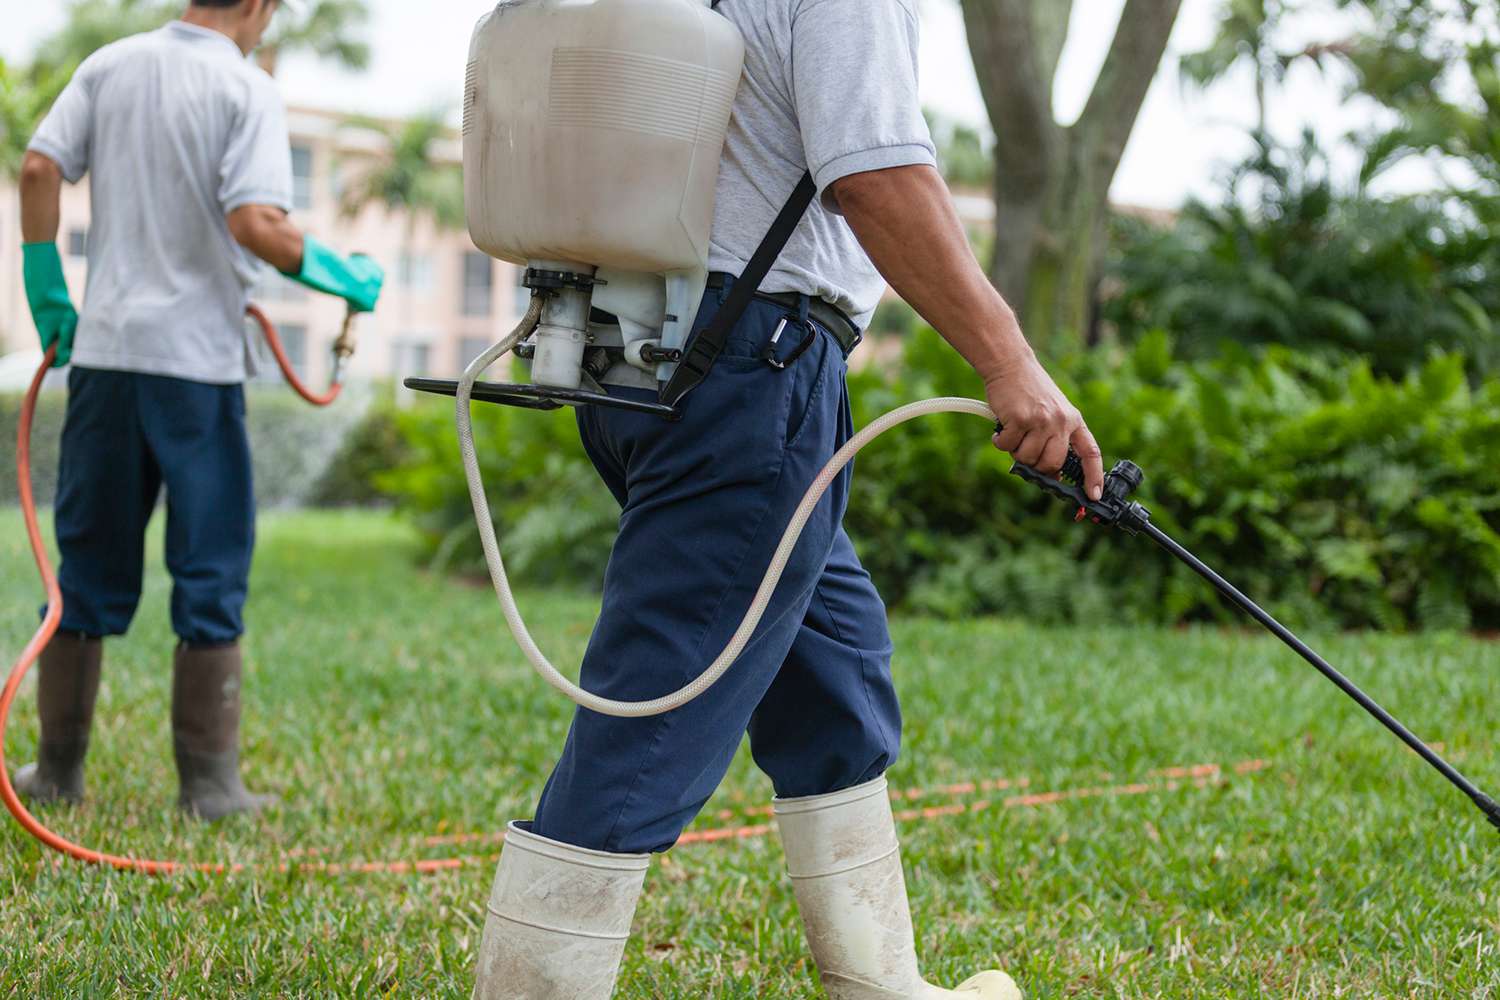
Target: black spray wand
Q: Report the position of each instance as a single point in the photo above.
(1116, 509)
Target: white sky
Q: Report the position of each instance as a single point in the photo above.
(1182, 139)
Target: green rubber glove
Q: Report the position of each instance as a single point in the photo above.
(356, 279)
(47, 292)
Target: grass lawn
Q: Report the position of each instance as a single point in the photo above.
(385, 706)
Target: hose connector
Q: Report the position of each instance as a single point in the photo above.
(343, 345)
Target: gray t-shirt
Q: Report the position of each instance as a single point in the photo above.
(176, 129)
(831, 86)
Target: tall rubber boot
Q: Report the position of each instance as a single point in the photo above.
(845, 865)
(206, 732)
(559, 917)
(67, 684)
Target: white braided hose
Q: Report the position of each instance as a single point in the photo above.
(742, 635)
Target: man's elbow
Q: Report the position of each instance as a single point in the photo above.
(877, 190)
(245, 226)
(263, 231)
(39, 173)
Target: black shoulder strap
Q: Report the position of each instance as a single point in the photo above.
(705, 348)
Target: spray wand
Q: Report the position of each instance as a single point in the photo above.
(1115, 509)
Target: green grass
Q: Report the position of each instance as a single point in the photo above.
(384, 705)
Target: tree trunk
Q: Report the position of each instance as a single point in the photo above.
(1052, 181)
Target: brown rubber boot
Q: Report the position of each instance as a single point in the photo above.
(206, 732)
(67, 684)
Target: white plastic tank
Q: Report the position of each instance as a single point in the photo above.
(592, 135)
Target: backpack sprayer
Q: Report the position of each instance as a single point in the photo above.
(601, 183)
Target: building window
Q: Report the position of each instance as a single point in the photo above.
(302, 177)
(410, 356)
(293, 341)
(414, 271)
(479, 280)
(78, 243)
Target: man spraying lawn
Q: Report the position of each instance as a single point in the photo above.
(828, 102)
(186, 146)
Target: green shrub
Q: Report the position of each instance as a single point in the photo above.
(1289, 259)
(555, 519)
(1336, 497)
(374, 446)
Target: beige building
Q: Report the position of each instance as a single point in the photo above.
(443, 303)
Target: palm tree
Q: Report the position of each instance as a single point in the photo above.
(329, 31)
(410, 179)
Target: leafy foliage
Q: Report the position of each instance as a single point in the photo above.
(1287, 259)
(1437, 66)
(1337, 496)
(555, 519)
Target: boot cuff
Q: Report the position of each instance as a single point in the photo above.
(831, 800)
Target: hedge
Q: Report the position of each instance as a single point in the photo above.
(1339, 498)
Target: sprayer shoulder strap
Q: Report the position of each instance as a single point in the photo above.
(704, 349)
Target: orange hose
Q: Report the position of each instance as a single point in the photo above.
(273, 340)
(48, 628)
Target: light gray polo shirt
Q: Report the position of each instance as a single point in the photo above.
(831, 86)
(175, 129)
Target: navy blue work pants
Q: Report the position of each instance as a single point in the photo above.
(126, 436)
(704, 503)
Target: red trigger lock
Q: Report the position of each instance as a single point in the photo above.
(1083, 512)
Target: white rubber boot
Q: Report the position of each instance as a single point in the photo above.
(559, 917)
(845, 865)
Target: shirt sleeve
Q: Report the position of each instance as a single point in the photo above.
(257, 165)
(66, 133)
(854, 82)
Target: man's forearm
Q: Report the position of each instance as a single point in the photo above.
(905, 220)
(41, 199)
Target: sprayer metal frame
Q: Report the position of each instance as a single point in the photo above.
(531, 395)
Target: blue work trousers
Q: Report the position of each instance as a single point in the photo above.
(704, 503)
(126, 435)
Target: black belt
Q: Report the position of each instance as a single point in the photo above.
(829, 316)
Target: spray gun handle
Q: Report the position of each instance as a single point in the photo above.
(1071, 472)
(1113, 508)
